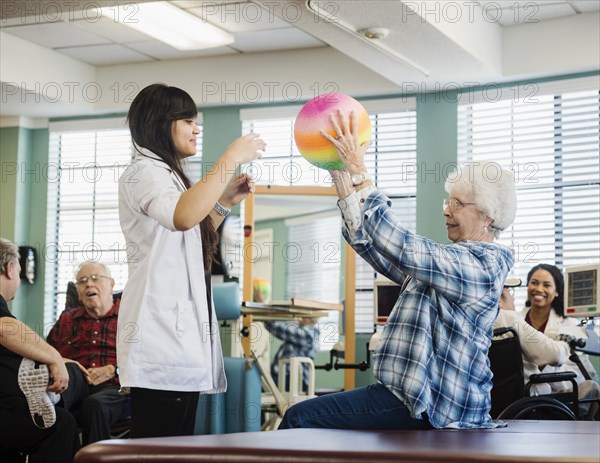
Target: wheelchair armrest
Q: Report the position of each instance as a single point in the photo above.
(552, 377)
(571, 397)
(504, 330)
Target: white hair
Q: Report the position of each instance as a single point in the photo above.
(9, 252)
(107, 271)
(492, 188)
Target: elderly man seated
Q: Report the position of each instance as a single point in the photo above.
(86, 338)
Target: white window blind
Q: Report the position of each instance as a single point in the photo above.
(390, 159)
(83, 216)
(313, 259)
(551, 142)
(281, 164)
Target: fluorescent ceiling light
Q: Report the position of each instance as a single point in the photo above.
(169, 24)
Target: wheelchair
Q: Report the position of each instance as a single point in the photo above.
(510, 395)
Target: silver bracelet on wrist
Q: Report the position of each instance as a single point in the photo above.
(221, 210)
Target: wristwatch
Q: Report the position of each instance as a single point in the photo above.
(359, 178)
(116, 370)
(221, 210)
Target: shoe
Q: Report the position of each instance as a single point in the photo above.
(33, 380)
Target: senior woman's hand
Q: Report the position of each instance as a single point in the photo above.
(349, 148)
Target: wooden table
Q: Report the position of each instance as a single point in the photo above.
(521, 441)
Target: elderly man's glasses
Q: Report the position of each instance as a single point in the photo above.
(93, 278)
(454, 204)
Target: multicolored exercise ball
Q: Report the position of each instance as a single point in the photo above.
(314, 117)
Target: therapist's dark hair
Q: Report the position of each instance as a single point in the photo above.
(151, 117)
(558, 304)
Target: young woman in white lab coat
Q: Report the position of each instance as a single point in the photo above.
(168, 348)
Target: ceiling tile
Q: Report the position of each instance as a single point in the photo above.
(587, 6)
(56, 35)
(31, 19)
(105, 54)
(280, 39)
(111, 29)
(187, 4)
(239, 17)
(161, 50)
(526, 12)
(505, 4)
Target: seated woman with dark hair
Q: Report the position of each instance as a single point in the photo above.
(544, 311)
(538, 350)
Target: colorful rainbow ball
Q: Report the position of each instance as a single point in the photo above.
(314, 117)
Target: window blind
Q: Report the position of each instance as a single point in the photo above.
(313, 259)
(389, 160)
(551, 143)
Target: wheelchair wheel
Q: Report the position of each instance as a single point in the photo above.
(538, 408)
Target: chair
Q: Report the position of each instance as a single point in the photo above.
(278, 398)
(510, 395)
(273, 404)
(294, 390)
(238, 409)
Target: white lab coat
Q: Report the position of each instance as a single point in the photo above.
(165, 338)
(558, 325)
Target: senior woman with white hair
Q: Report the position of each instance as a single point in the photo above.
(431, 362)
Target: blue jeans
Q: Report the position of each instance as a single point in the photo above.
(370, 407)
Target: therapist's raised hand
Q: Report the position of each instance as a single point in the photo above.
(237, 190)
(246, 149)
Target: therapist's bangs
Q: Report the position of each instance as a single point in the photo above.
(152, 113)
(182, 105)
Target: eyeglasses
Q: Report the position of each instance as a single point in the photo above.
(454, 204)
(94, 278)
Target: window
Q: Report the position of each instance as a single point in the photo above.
(550, 140)
(313, 258)
(389, 159)
(83, 216)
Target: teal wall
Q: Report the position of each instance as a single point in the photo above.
(436, 156)
(9, 161)
(220, 127)
(23, 198)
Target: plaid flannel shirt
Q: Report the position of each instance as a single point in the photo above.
(90, 341)
(433, 349)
